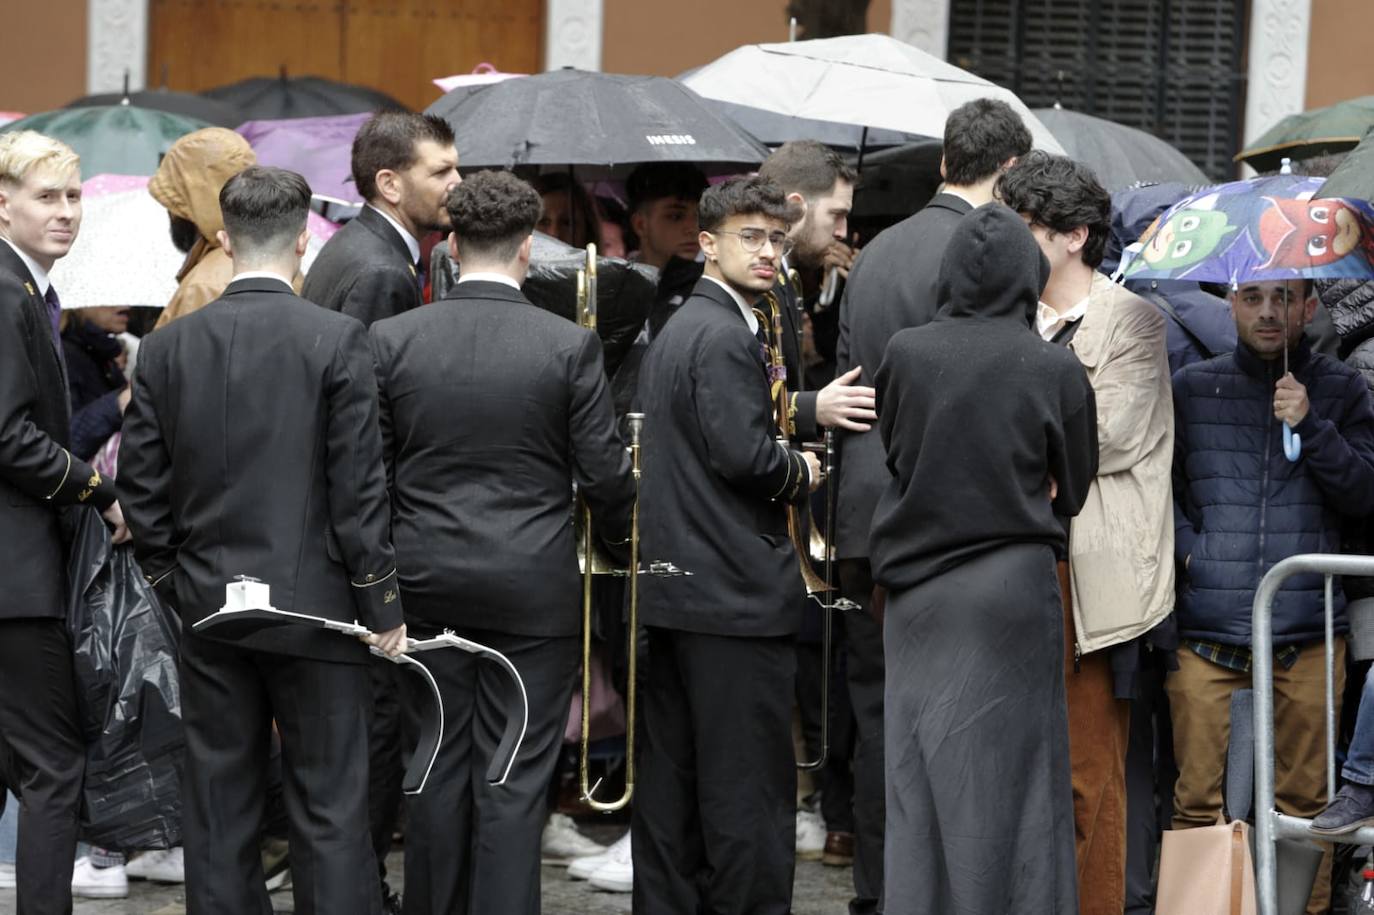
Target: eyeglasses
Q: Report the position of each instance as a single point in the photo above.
(751, 240)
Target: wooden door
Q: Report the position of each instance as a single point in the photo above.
(396, 46)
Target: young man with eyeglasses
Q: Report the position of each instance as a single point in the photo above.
(713, 826)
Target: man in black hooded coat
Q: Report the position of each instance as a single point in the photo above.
(990, 433)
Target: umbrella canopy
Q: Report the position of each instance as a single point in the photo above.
(1335, 128)
(1274, 228)
(572, 117)
(318, 148)
(186, 104)
(266, 97)
(124, 253)
(872, 81)
(1355, 176)
(1120, 155)
(898, 181)
(113, 139)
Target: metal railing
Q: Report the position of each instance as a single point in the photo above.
(1270, 825)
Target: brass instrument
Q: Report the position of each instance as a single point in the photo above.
(594, 561)
(777, 377)
(818, 587)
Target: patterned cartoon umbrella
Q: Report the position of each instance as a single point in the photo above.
(1274, 228)
(1270, 229)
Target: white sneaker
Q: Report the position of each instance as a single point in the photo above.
(617, 875)
(160, 866)
(810, 836)
(91, 882)
(561, 842)
(583, 868)
(6, 876)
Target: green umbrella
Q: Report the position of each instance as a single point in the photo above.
(1335, 128)
(112, 139)
(1354, 177)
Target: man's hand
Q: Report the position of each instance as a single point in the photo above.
(124, 397)
(846, 405)
(114, 516)
(1054, 489)
(840, 256)
(391, 643)
(1290, 400)
(814, 467)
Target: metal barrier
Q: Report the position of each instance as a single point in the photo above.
(1270, 825)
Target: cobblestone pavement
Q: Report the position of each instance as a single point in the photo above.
(819, 891)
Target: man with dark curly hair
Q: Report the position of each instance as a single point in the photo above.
(490, 410)
(1117, 580)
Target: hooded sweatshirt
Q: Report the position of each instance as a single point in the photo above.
(977, 413)
(187, 184)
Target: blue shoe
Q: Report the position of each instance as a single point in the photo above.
(1352, 808)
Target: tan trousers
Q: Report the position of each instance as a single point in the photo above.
(1200, 705)
(1099, 727)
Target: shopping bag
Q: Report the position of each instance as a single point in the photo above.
(124, 643)
(1206, 871)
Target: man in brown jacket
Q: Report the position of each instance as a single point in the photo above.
(187, 184)
(1118, 580)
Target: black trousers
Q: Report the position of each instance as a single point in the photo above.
(230, 697)
(864, 673)
(42, 758)
(386, 767)
(471, 848)
(714, 818)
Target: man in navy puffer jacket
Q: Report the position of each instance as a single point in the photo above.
(1240, 507)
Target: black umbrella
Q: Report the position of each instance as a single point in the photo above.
(265, 98)
(1354, 177)
(1121, 156)
(575, 118)
(898, 181)
(186, 104)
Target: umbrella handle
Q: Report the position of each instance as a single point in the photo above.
(1292, 443)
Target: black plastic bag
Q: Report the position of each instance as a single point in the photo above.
(125, 644)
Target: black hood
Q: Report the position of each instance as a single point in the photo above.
(993, 268)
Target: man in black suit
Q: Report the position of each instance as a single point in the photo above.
(404, 166)
(273, 470)
(892, 286)
(714, 818)
(491, 410)
(42, 751)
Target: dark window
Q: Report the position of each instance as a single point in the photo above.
(1174, 68)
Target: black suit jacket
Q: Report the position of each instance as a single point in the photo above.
(892, 286)
(364, 271)
(491, 408)
(38, 475)
(716, 481)
(251, 447)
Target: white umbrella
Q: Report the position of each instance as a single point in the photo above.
(872, 81)
(124, 253)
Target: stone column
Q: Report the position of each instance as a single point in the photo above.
(572, 36)
(1277, 76)
(923, 23)
(117, 41)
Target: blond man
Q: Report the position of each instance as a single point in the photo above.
(42, 753)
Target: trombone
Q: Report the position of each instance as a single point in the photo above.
(593, 561)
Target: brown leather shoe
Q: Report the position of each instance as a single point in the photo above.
(839, 849)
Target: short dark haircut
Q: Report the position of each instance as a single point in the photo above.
(743, 195)
(657, 180)
(493, 213)
(264, 209)
(388, 140)
(807, 167)
(979, 136)
(1060, 194)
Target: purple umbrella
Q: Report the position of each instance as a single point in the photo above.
(318, 148)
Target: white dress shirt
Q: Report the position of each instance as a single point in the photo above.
(744, 307)
(480, 277)
(1049, 322)
(40, 276)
